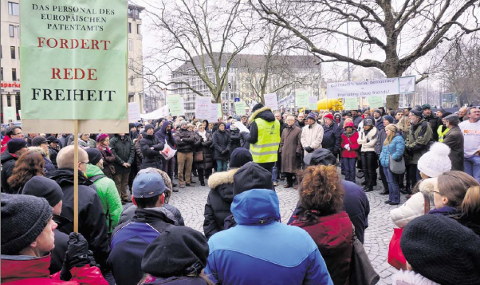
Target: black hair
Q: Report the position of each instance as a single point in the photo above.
(11, 131)
(151, 202)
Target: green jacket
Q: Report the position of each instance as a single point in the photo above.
(108, 194)
(418, 141)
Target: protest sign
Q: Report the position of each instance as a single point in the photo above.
(219, 110)
(9, 114)
(350, 103)
(312, 103)
(271, 101)
(375, 101)
(301, 98)
(133, 112)
(202, 107)
(175, 104)
(240, 108)
(378, 87)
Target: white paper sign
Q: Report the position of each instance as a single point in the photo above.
(202, 107)
(378, 87)
(133, 112)
(271, 101)
(241, 127)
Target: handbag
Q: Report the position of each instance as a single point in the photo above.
(397, 167)
(395, 254)
(168, 152)
(361, 269)
(198, 157)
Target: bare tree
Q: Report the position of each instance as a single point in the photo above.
(460, 71)
(199, 38)
(388, 35)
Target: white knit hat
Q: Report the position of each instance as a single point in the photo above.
(435, 161)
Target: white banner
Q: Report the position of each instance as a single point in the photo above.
(271, 101)
(386, 86)
(202, 106)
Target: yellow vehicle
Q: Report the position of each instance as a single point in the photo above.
(330, 104)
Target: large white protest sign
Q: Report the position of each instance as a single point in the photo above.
(385, 86)
(202, 107)
(271, 101)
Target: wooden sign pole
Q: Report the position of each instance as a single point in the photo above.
(75, 176)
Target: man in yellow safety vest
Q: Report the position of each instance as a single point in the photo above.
(264, 136)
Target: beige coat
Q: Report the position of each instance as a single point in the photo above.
(369, 140)
(312, 136)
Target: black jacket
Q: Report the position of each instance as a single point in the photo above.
(162, 134)
(235, 140)
(221, 144)
(207, 148)
(123, 150)
(8, 163)
(185, 140)
(92, 221)
(151, 148)
(219, 200)
(128, 246)
(434, 123)
(331, 138)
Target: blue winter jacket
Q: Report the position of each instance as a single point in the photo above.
(395, 149)
(261, 250)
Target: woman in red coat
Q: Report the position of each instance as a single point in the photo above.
(28, 238)
(349, 146)
(323, 217)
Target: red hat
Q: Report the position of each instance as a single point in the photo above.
(329, 116)
(349, 124)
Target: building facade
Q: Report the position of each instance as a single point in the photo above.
(10, 59)
(287, 75)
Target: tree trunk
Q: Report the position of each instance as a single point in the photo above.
(393, 100)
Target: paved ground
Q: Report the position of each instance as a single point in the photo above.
(191, 200)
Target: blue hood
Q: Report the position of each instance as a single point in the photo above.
(256, 207)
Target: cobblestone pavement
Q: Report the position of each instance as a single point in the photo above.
(191, 201)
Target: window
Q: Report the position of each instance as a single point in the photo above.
(1, 73)
(11, 30)
(12, 52)
(14, 74)
(130, 44)
(129, 28)
(138, 28)
(131, 80)
(18, 52)
(13, 9)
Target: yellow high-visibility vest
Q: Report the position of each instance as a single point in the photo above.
(266, 148)
(441, 134)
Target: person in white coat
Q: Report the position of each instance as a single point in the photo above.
(312, 134)
(368, 138)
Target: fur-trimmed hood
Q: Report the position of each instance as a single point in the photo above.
(219, 178)
(264, 113)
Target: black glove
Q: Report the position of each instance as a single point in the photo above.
(77, 255)
(308, 149)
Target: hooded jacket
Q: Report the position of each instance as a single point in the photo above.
(8, 163)
(163, 135)
(394, 149)
(261, 250)
(92, 222)
(264, 113)
(108, 194)
(219, 200)
(23, 269)
(352, 141)
(130, 240)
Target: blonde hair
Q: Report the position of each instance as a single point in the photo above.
(393, 132)
(471, 202)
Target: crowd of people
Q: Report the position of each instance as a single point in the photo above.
(130, 234)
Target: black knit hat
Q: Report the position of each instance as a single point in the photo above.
(251, 176)
(368, 121)
(149, 126)
(417, 112)
(442, 250)
(239, 157)
(38, 141)
(179, 251)
(44, 187)
(256, 107)
(15, 145)
(94, 155)
(320, 156)
(23, 219)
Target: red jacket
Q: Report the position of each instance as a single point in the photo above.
(16, 270)
(333, 235)
(4, 143)
(352, 141)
